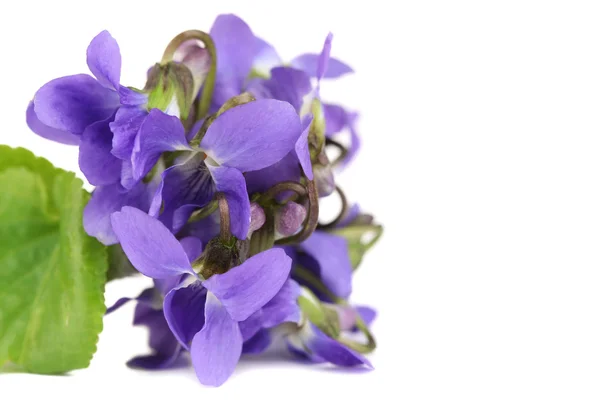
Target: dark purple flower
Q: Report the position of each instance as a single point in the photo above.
(206, 316)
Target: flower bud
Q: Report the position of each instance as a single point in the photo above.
(170, 88)
(257, 217)
(325, 318)
(290, 218)
(323, 176)
(197, 59)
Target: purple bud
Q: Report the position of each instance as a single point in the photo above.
(196, 58)
(257, 217)
(290, 218)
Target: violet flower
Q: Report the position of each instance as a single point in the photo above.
(248, 137)
(166, 349)
(78, 109)
(208, 317)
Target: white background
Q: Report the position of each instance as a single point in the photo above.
(481, 157)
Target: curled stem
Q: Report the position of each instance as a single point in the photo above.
(295, 187)
(343, 211)
(312, 219)
(225, 219)
(203, 105)
(341, 147)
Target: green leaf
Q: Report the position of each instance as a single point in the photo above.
(52, 274)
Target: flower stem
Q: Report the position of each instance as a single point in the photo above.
(341, 147)
(225, 219)
(343, 211)
(209, 83)
(299, 189)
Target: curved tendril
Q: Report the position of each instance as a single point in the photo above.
(363, 348)
(295, 187)
(208, 86)
(225, 219)
(341, 147)
(343, 211)
(312, 219)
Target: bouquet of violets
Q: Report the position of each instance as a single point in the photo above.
(208, 181)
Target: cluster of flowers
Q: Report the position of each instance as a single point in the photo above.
(209, 179)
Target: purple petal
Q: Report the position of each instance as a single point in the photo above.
(158, 133)
(118, 304)
(335, 118)
(125, 128)
(300, 352)
(104, 60)
(286, 169)
(301, 147)
(352, 214)
(146, 297)
(149, 245)
(243, 290)
(161, 360)
(331, 254)
(322, 65)
(205, 229)
(323, 60)
(166, 348)
(333, 351)
(96, 161)
(184, 187)
(216, 349)
(257, 343)
(235, 44)
(164, 286)
(47, 132)
(131, 97)
(254, 135)
(283, 307)
(108, 199)
(354, 139)
(184, 311)
(286, 84)
(192, 247)
(231, 182)
(127, 180)
(265, 58)
(251, 325)
(71, 103)
(367, 314)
